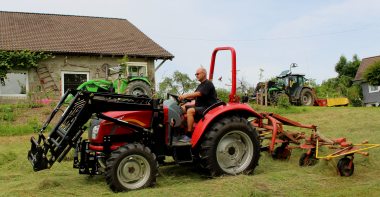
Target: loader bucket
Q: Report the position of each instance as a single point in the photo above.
(36, 156)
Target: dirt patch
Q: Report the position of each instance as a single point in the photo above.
(14, 139)
(39, 114)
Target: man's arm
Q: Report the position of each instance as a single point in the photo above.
(189, 95)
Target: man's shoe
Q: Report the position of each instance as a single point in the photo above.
(184, 138)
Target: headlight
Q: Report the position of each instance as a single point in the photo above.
(95, 132)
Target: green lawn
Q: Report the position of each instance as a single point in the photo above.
(271, 178)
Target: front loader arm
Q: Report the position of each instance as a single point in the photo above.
(67, 132)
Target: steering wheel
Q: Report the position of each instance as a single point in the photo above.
(174, 96)
(177, 99)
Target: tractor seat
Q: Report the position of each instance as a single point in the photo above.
(218, 103)
(198, 117)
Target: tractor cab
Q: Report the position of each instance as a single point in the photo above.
(289, 79)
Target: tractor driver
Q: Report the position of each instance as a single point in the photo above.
(205, 95)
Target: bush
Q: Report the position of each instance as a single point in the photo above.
(223, 94)
(283, 101)
(354, 94)
(372, 74)
(7, 116)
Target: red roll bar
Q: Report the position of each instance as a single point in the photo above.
(233, 97)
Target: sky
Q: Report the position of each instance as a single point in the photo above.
(266, 34)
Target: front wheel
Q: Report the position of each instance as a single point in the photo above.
(138, 88)
(131, 167)
(231, 147)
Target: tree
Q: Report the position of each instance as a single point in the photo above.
(347, 68)
(243, 87)
(372, 74)
(178, 83)
(342, 86)
(340, 65)
(223, 94)
(330, 89)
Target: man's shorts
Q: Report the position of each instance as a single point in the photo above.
(198, 110)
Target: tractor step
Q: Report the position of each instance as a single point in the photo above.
(182, 153)
(178, 143)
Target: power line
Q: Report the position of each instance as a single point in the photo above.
(272, 39)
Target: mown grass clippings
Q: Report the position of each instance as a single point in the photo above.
(270, 178)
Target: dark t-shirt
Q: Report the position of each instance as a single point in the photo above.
(208, 94)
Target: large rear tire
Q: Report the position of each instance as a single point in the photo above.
(138, 88)
(230, 147)
(306, 97)
(131, 167)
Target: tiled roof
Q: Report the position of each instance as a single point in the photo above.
(364, 65)
(75, 34)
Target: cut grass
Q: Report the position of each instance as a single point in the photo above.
(271, 178)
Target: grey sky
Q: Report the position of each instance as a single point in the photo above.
(266, 34)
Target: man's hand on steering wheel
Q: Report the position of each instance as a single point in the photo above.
(181, 97)
(184, 98)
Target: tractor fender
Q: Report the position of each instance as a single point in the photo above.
(218, 112)
(141, 79)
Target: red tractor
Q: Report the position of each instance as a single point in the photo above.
(131, 135)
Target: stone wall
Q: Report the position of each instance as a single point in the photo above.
(94, 65)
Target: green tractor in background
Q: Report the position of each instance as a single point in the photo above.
(293, 86)
(134, 84)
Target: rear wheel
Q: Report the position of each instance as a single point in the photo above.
(307, 98)
(230, 147)
(130, 167)
(138, 88)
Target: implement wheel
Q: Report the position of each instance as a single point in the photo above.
(345, 167)
(131, 167)
(281, 153)
(307, 160)
(231, 146)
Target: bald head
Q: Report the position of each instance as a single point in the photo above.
(201, 74)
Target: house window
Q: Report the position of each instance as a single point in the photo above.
(71, 80)
(373, 88)
(14, 84)
(137, 69)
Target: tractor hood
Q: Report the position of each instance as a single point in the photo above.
(141, 118)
